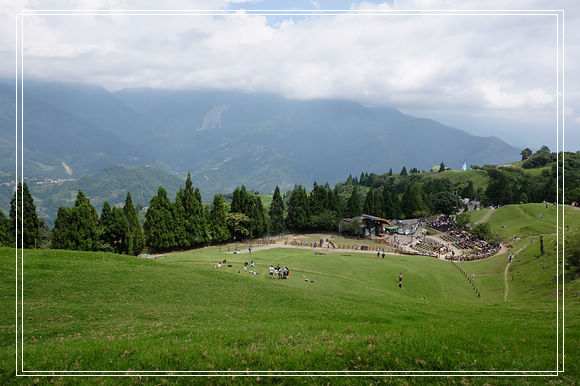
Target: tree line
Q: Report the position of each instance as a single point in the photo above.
(186, 222)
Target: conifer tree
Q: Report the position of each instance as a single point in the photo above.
(62, 237)
(179, 221)
(84, 224)
(200, 220)
(218, 225)
(298, 209)
(22, 201)
(390, 172)
(277, 212)
(136, 239)
(411, 202)
(255, 212)
(353, 207)
(336, 203)
(368, 207)
(240, 200)
(115, 232)
(403, 171)
(158, 227)
(441, 167)
(6, 232)
(386, 203)
(78, 227)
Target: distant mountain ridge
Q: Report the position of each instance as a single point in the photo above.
(225, 138)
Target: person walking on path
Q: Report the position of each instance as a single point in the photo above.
(250, 249)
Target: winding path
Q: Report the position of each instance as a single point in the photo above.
(507, 288)
(485, 217)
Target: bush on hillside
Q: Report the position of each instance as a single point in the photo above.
(572, 249)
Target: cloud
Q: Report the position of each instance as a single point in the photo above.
(482, 65)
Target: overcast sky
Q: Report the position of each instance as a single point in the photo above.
(487, 75)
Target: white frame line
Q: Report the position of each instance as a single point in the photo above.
(25, 12)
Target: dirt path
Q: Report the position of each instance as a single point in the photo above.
(505, 276)
(485, 217)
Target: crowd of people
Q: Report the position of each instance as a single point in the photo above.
(278, 272)
(463, 239)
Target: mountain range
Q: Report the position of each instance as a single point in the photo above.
(225, 138)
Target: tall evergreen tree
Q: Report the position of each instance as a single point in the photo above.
(403, 171)
(353, 207)
(298, 210)
(369, 204)
(218, 225)
(390, 172)
(240, 200)
(195, 222)
(115, 229)
(6, 232)
(159, 225)
(85, 224)
(277, 212)
(200, 220)
(62, 234)
(255, 212)
(77, 228)
(179, 221)
(22, 201)
(411, 202)
(136, 239)
(441, 167)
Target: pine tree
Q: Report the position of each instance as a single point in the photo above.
(6, 232)
(202, 236)
(441, 167)
(182, 239)
(353, 207)
(78, 227)
(84, 224)
(255, 212)
(411, 202)
(386, 203)
(403, 171)
(115, 230)
(368, 207)
(240, 200)
(105, 222)
(390, 172)
(218, 225)
(22, 201)
(298, 210)
(62, 237)
(277, 213)
(159, 225)
(136, 239)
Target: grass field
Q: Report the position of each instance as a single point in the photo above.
(98, 311)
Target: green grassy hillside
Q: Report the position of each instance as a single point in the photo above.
(98, 311)
(526, 220)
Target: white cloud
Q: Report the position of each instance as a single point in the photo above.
(482, 65)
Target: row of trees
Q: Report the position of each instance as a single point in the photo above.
(80, 228)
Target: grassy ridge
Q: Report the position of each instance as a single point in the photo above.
(97, 311)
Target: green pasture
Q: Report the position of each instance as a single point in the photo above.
(526, 220)
(479, 178)
(477, 215)
(99, 311)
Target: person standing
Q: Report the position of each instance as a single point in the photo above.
(250, 249)
(400, 280)
(271, 271)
